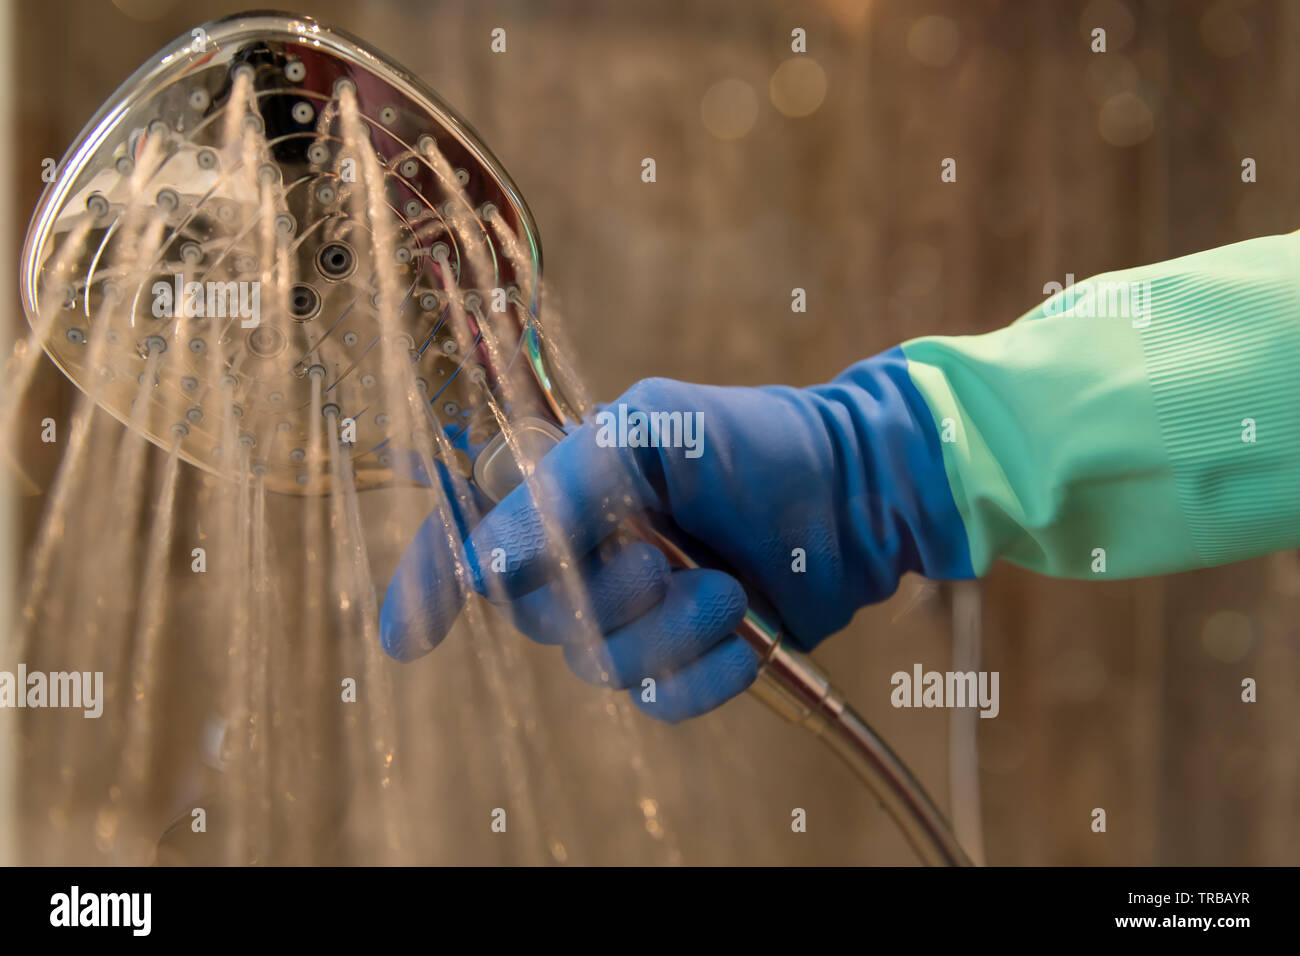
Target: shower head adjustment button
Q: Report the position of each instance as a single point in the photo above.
(496, 473)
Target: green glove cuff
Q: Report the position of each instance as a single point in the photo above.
(1142, 422)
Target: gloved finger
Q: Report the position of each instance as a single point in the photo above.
(700, 609)
(427, 591)
(585, 489)
(614, 588)
(726, 669)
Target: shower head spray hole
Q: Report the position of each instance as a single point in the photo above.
(336, 260)
(304, 302)
(266, 341)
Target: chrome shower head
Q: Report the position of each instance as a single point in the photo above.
(222, 226)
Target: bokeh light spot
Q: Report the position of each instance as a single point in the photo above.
(798, 86)
(729, 109)
(1125, 120)
(1227, 636)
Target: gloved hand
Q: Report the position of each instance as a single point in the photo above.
(819, 498)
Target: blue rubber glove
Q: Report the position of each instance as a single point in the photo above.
(818, 498)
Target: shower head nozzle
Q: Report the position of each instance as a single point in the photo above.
(269, 219)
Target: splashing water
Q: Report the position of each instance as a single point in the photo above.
(287, 265)
(227, 593)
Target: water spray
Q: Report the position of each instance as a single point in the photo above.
(272, 233)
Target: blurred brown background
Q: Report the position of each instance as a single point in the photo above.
(821, 171)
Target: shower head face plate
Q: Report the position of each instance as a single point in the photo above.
(214, 213)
